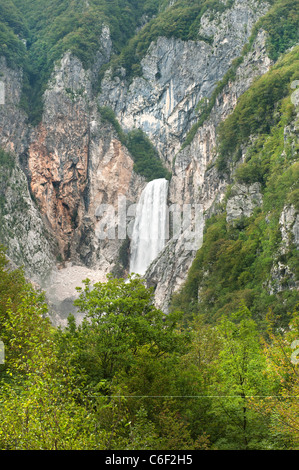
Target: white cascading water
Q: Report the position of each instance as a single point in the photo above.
(149, 231)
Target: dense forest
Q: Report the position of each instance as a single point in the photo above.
(130, 378)
(220, 370)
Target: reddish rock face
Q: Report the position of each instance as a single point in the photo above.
(58, 176)
(64, 162)
(75, 163)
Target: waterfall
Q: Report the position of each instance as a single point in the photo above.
(149, 231)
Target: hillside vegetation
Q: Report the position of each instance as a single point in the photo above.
(38, 35)
(281, 24)
(147, 162)
(236, 259)
(34, 37)
(130, 379)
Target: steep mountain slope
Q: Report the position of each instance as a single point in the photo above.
(250, 248)
(101, 97)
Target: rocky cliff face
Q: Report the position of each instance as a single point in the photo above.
(196, 181)
(281, 274)
(176, 75)
(22, 228)
(58, 151)
(75, 163)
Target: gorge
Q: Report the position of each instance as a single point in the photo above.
(149, 226)
(106, 129)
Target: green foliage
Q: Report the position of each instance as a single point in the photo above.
(38, 409)
(232, 266)
(235, 261)
(12, 286)
(12, 31)
(281, 25)
(146, 159)
(23, 327)
(281, 352)
(77, 26)
(129, 379)
(53, 27)
(147, 162)
(39, 416)
(181, 20)
(108, 115)
(259, 109)
(120, 318)
(209, 103)
(238, 376)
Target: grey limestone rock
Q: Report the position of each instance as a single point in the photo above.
(195, 178)
(176, 74)
(243, 200)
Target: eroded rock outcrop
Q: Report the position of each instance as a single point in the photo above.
(59, 148)
(23, 231)
(243, 200)
(282, 276)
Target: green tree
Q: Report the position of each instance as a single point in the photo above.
(39, 402)
(120, 319)
(239, 375)
(146, 158)
(281, 349)
(41, 407)
(12, 284)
